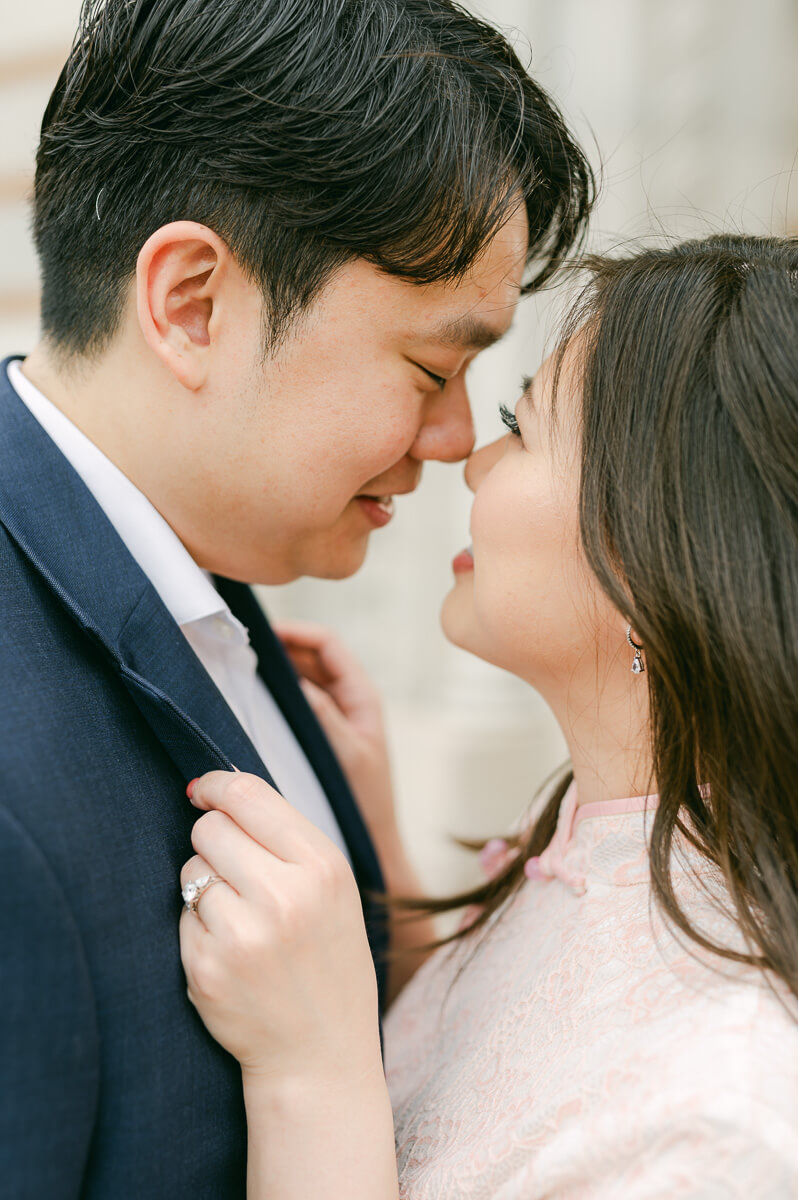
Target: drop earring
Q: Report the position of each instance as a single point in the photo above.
(638, 666)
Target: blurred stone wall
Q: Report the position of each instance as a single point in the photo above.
(692, 108)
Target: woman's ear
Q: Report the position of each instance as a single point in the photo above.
(179, 275)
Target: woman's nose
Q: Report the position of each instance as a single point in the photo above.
(482, 460)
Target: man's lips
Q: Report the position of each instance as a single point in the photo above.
(378, 509)
(378, 506)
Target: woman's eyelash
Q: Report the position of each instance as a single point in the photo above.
(509, 420)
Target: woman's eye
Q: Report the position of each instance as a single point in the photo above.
(509, 420)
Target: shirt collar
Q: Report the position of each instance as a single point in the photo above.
(186, 590)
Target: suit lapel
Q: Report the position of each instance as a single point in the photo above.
(166, 674)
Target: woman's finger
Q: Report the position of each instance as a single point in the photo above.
(196, 942)
(320, 656)
(334, 656)
(334, 723)
(303, 633)
(302, 643)
(260, 811)
(212, 916)
(195, 868)
(246, 865)
(308, 665)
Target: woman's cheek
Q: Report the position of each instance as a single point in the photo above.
(523, 582)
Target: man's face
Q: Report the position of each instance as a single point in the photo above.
(302, 455)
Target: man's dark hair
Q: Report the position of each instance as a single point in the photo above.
(304, 133)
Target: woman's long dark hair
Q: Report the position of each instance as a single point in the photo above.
(689, 521)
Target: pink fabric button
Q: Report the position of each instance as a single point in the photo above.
(532, 868)
(493, 857)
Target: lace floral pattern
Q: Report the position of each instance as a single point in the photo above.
(583, 1052)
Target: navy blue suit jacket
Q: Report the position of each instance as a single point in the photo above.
(110, 1087)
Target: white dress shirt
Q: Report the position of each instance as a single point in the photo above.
(218, 639)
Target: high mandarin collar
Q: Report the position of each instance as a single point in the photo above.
(603, 842)
(599, 844)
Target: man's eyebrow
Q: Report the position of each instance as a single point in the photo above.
(467, 333)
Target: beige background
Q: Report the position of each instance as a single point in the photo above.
(692, 106)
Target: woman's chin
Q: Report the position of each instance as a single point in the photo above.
(461, 627)
(457, 617)
(458, 621)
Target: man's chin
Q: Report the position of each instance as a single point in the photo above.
(334, 562)
(342, 566)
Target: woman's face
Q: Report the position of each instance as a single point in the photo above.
(525, 599)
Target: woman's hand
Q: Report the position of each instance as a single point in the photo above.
(280, 970)
(276, 956)
(348, 708)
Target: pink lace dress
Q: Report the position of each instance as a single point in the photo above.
(584, 1052)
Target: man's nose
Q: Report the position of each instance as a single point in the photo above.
(481, 462)
(447, 433)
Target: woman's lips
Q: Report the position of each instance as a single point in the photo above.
(378, 509)
(463, 562)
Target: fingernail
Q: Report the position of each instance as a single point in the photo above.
(191, 786)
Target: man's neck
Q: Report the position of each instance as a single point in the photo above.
(88, 394)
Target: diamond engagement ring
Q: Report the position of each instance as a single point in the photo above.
(195, 887)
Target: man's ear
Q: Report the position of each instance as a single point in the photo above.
(179, 276)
